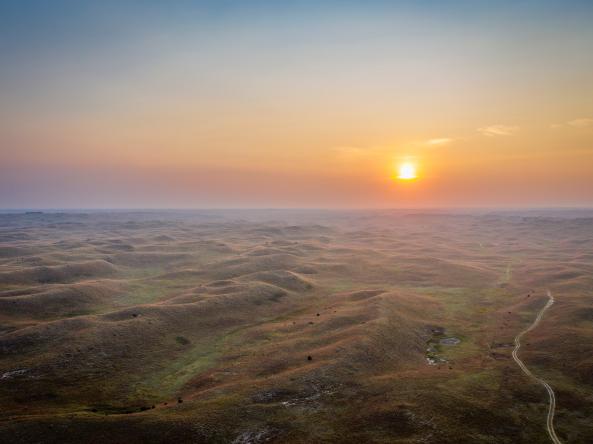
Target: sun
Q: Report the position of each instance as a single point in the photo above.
(407, 171)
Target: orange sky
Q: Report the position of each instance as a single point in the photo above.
(308, 107)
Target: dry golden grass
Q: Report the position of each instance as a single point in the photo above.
(292, 328)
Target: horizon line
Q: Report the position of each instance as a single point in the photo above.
(151, 209)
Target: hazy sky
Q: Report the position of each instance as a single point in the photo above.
(308, 104)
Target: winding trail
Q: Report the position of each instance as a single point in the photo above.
(552, 408)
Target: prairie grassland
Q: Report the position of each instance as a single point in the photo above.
(296, 327)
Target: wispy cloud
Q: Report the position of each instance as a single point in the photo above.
(498, 130)
(351, 154)
(439, 141)
(582, 122)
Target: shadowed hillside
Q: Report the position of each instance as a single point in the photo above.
(255, 326)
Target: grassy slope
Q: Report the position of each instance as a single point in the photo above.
(187, 316)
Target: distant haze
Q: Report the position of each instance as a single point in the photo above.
(314, 104)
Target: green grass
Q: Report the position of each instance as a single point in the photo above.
(167, 382)
(141, 292)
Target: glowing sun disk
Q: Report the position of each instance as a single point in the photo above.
(407, 171)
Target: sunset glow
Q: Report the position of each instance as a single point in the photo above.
(296, 221)
(407, 171)
(295, 104)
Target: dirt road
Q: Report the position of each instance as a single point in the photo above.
(552, 407)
